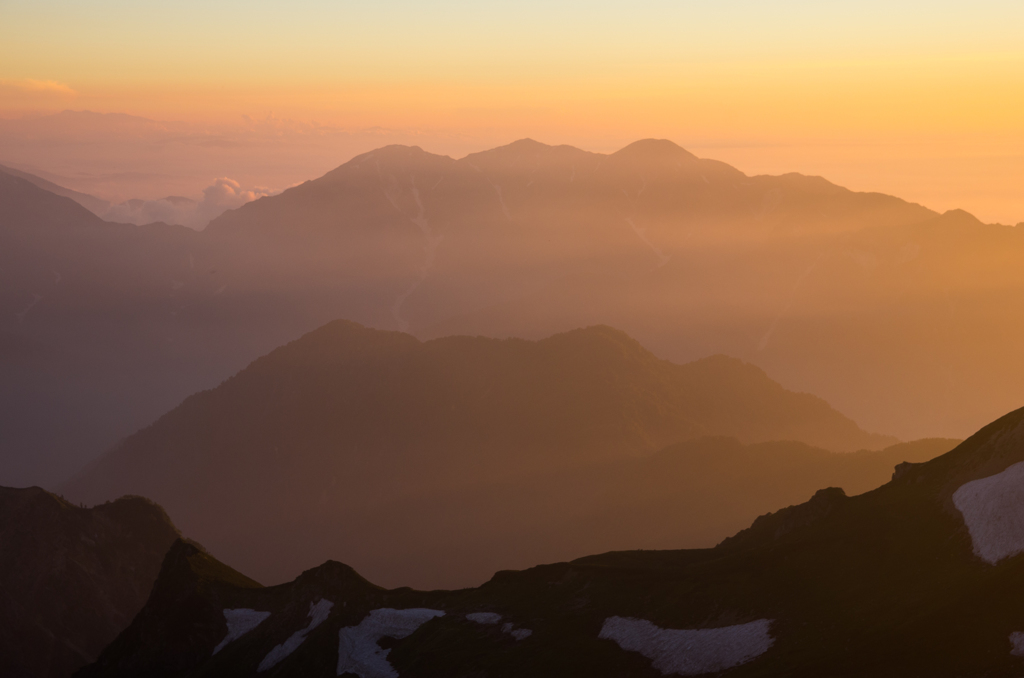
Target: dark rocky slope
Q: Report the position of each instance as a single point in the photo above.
(887, 583)
(72, 578)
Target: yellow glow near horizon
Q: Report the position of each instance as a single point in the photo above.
(939, 75)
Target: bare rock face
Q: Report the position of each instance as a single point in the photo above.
(72, 578)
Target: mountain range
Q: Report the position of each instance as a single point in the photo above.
(920, 577)
(435, 463)
(900, 318)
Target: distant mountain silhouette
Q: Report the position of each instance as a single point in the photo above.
(72, 578)
(861, 298)
(105, 326)
(349, 421)
(97, 206)
(902, 319)
(86, 318)
(899, 581)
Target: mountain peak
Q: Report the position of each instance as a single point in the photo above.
(654, 149)
(82, 573)
(400, 152)
(525, 152)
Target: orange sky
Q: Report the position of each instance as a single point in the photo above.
(917, 99)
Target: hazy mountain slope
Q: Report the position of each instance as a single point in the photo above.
(103, 327)
(353, 419)
(97, 206)
(71, 578)
(690, 495)
(887, 583)
(519, 219)
(832, 292)
(85, 307)
(821, 286)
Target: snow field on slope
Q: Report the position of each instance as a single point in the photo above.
(318, 612)
(690, 652)
(240, 621)
(358, 651)
(1017, 644)
(993, 509)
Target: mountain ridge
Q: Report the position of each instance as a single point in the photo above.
(885, 583)
(72, 578)
(353, 419)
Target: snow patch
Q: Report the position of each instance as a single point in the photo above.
(993, 509)
(318, 612)
(240, 621)
(642, 234)
(484, 617)
(518, 634)
(429, 251)
(358, 651)
(1017, 643)
(501, 199)
(690, 652)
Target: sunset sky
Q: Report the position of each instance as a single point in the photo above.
(918, 99)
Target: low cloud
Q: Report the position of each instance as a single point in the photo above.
(222, 195)
(27, 85)
(229, 194)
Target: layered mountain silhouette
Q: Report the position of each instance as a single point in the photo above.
(104, 326)
(85, 321)
(72, 578)
(97, 206)
(901, 318)
(392, 452)
(920, 577)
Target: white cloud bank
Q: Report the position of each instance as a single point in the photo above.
(222, 195)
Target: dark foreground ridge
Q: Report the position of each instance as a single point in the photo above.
(911, 579)
(72, 578)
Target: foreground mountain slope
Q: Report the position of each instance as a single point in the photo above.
(900, 581)
(72, 578)
(349, 419)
